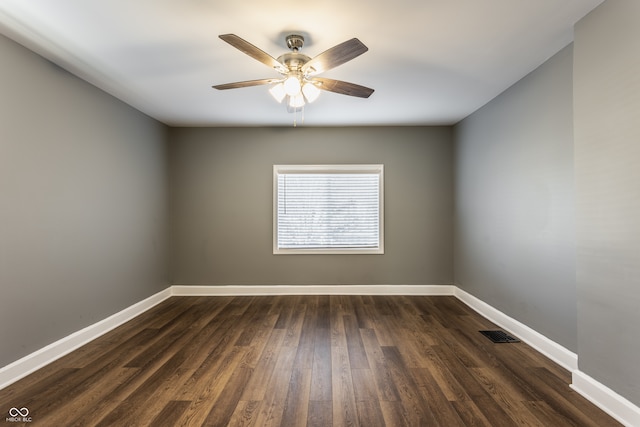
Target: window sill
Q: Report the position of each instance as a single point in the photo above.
(358, 251)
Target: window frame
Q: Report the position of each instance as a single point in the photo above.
(327, 169)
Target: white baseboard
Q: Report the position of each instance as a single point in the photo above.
(609, 401)
(239, 290)
(606, 399)
(544, 345)
(597, 393)
(40, 358)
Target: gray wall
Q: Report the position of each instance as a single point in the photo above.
(607, 153)
(514, 202)
(222, 205)
(83, 204)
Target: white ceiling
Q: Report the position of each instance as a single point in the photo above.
(430, 61)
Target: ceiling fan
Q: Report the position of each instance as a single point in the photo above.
(298, 82)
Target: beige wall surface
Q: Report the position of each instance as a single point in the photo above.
(221, 205)
(607, 153)
(83, 204)
(514, 192)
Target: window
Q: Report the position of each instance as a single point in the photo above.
(328, 209)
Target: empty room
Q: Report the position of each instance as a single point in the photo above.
(423, 213)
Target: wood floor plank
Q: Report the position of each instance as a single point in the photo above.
(385, 386)
(344, 405)
(283, 306)
(207, 388)
(355, 348)
(436, 399)
(323, 311)
(496, 415)
(257, 384)
(564, 400)
(410, 348)
(382, 306)
(393, 413)
(305, 346)
(253, 319)
(367, 404)
(320, 414)
(416, 409)
(139, 403)
(170, 415)
(546, 414)
(470, 414)
(369, 413)
(499, 385)
(294, 325)
(339, 307)
(321, 370)
(364, 386)
(272, 406)
(360, 313)
(215, 359)
(92, 404)
(508, 397)
(244, 414)
(442, 375)
(130, 331)
(225, 405)
(303, 360)
(296, 409)
(66, 384)
(172, 335)
(384, 332)
(260, 340)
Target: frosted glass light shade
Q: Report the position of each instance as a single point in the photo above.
(310, 91)
(292, 86)
(278, 92)
(296, 101)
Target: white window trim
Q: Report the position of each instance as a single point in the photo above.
(351, 168)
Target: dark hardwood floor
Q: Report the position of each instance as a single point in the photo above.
(302, 360)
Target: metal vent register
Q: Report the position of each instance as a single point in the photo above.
(499, 336)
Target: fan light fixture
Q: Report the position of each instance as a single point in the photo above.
(299, 84)
(297, 94)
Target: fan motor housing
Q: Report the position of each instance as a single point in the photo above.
(293, 60)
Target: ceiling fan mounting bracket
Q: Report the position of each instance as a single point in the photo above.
(295, 42)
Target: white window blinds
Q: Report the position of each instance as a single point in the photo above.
(328, 209)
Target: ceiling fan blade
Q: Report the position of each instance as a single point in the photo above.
(334, 56)
(254, 52)
(247, 83)
(343, 88)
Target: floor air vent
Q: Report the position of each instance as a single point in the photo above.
(499, 336)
